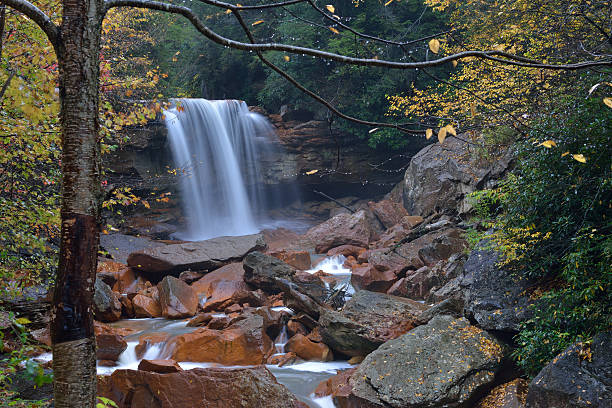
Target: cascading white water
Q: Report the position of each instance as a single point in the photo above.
(215, 146)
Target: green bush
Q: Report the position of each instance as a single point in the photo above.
(553, 226)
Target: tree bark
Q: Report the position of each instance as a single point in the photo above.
(74, 357)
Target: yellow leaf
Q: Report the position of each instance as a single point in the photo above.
(608, 102)
(473, 109)
(428, 134)
(228, 11)
(548, 144)
(128, 92)
(450, 130)
(442, 135)
(333, 30)
(286, 58)
(330, 8)
(579, 157)
(389, 2)
(311, 172)
(564, 154)
(257, 22)
(23, 320)
(455, 63)
(434, 46)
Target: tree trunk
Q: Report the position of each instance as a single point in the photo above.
(74, 357)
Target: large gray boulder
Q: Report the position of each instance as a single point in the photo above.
(343, 229)
(262, 271)
(210, 254)
(120, 246)
(441, 175)
(495, 298)
(345, 335)
(107, 307)
(446, 363)
(581, 376)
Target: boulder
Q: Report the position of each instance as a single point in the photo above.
(145, 306)
(388, 212)
(387, 316)
(336, 386)
(494, 298)
(298, 259)
(245, 342)
(229, 272)
(450, 307)
(307, 349)
(190, 277)
(343, 229)
(109, 343)
(366, 276)
(441, 175)
(346, 250)
(147, 340)
(446, 363)
(211, 388)
(581, 376)
(177, 299)
(226, 293)
(262, 271)
(508, 395)
(107, 307)
(210, 254)
(120, 246)
(159, 366)
(347, 336)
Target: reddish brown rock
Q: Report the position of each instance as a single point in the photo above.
(367, 277)
(176, 298)
(226, 293)
(298, 259)
(210, 388)
(190, 276)
(201, 319)
(411, 221)
(388, 212)
(127, 308)
(337, 386)
(343, 229)
(126, 279)
(245, 342)
(304, 348)
(230, 272)
(159, 366)
(346, 250)
(295, 327)
(145, 307)
(508, 395)
(282, 359)
(109, 343)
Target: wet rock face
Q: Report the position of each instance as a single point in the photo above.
(388, 212)
(446, 363)
(388, 316)
(307, 349)
(109, 343)
(262, 271)
(210, 254)
(244, 342)
(493, 297)
(572, 381)
(107, 307)
(440, 175)
(211, 388)
(343, 229)
(345, 335)
(177, 299)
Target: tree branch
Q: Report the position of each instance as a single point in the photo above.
(36, 15)
(498, 56)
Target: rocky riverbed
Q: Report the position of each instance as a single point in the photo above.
(381, 305)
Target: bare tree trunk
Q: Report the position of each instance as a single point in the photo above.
(74, 357)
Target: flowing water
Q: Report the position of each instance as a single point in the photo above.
(301, 379)
(217, 147)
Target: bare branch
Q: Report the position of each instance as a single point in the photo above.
(498, 56)
(36, 15)
(233, 7)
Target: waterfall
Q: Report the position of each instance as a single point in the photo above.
(216, 147)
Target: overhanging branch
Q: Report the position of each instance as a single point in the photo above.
(36, 15)
(499, 56)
